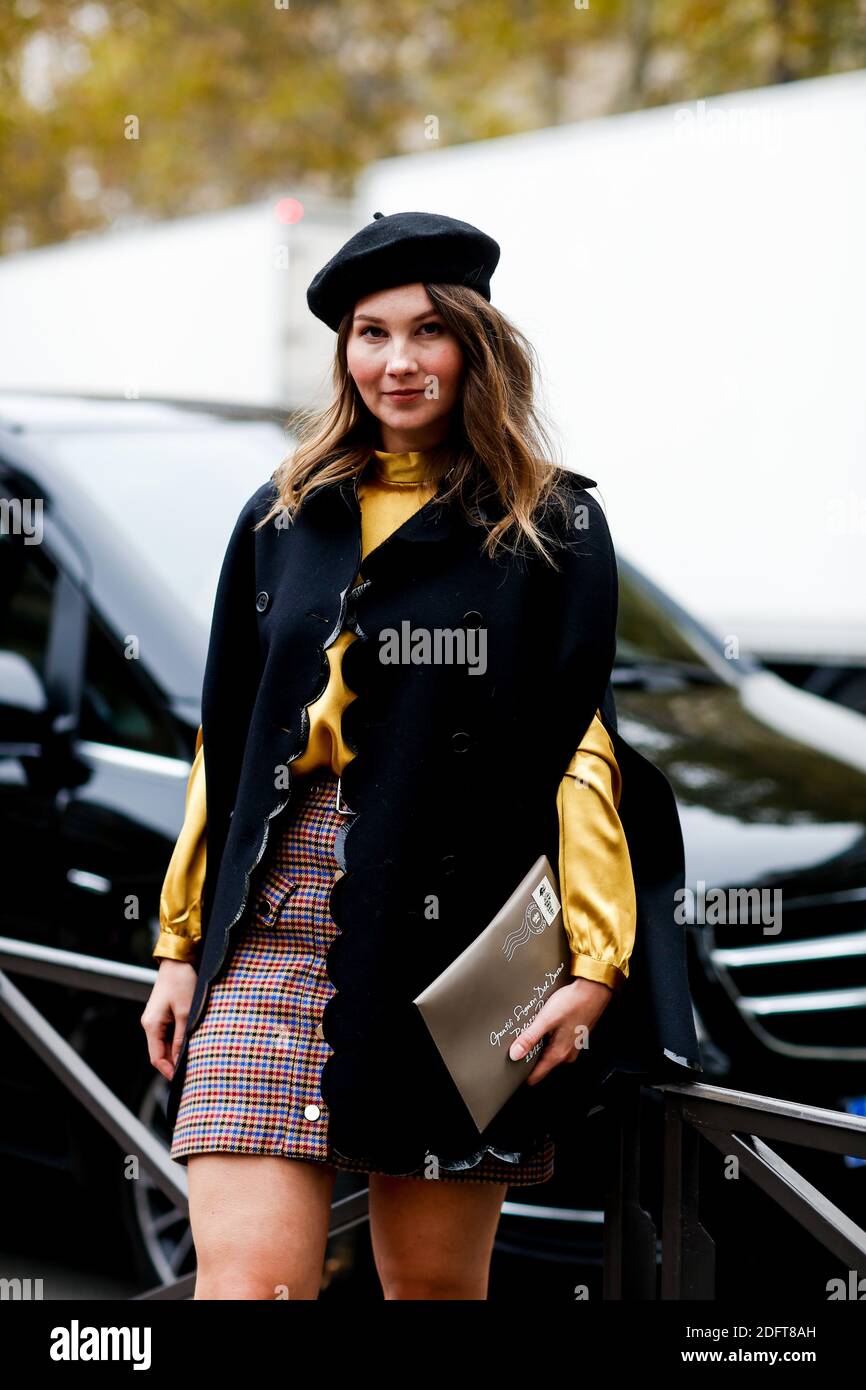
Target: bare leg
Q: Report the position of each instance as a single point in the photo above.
(433, 1239)
(259, 1224)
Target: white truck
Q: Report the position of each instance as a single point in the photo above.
(210, 307)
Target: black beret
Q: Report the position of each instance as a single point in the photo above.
(405, 248)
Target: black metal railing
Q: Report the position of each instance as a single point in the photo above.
(735, 1122)
(738, 1124)
(97, 975)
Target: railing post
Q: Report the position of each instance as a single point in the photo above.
(629, 1231)
(688, 1252)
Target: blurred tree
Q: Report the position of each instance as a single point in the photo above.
(112, 112)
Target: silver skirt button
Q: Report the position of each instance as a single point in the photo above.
(311, 1112)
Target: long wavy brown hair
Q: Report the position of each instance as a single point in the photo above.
(499, 451)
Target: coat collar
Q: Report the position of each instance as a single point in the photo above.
(332, 505)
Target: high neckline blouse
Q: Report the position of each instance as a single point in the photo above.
(409, 467)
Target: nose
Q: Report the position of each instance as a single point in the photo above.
(401, 362)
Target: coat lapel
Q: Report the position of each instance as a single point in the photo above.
(334, 505)
(431, 523)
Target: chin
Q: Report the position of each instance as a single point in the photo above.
(403, 414)
(419, 411)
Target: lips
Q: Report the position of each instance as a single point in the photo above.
(403, 395)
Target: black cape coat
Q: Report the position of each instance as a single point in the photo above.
(453, 787)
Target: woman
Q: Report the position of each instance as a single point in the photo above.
(420, 792)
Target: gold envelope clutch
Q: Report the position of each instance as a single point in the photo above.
(481, 1002)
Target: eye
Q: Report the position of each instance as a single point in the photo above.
(370, 328)
(437, 327)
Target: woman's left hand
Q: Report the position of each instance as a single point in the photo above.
(568, 1016)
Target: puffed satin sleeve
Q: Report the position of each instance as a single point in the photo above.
(595, 874)
(180, 899)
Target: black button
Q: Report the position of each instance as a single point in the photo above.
(262, 601)
(460, 741)
(264, 907)
(449, 863)
(473, 618)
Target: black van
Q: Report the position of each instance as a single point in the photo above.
(114, 516)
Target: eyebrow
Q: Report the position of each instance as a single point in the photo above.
(427, 314)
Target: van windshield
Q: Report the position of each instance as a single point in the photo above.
(172, 496)
(654, 634)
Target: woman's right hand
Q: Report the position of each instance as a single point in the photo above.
(167, 1011)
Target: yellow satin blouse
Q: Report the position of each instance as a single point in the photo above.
(595, 874)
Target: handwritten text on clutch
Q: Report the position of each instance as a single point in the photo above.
(520, 1014)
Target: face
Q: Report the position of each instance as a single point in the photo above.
(407, 364)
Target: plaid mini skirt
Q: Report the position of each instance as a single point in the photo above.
(255, 1059)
